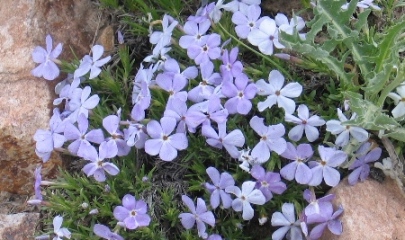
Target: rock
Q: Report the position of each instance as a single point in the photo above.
(18, 226)
(26, 101)
(372, 210)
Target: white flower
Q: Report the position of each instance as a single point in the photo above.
(363, 4)
(276, 93)
(305, 123)
(266, 36)
(399, 99)
(288, 26)
(344, 131)
(247, 160)
(60, 232)
(245, 197)
(387, 167)
(240, 5)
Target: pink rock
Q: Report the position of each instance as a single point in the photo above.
(26, 101)
(372, 211)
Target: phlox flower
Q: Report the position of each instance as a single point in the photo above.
(326, 218)
(104, 232)
(81, 143)
(267, 182)
(205, 88)
(337, 127)
(132, 213)
(230, 65)
(215, 12)
(363, 4)
(265, 37)
(387, 166)
(163, 38)
(246, 21)
(360, 166)
(111, 123)
(92, 64)
(247, 159)
(82, 103)
(287, 223)
(399, 99)
(277, 93)
(239, 92)
(198, 215)
(305, 123)
(97, 167)
(271, 139)
(325, 168)
(217, 189)
(141, 102)
(194, 33)
(240, 5)
(46, 59)
(244, 197)
(47, 140)
(58, 230)
(205, 112)
(221, 139)
(66, 93)
(136, 135)
(208, 50)
(288, 26)
(316, 206)
(297, 169)
(214, 237)
(162, 142)
(37, 183)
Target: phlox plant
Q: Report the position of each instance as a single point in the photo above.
(197, 139)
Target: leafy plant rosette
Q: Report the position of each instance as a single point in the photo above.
(205, 139)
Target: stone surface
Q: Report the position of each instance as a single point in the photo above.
(20, 226)
(372, 211)
(26, 101)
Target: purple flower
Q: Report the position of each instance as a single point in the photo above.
(141, 101)
(229, 64)
(221, 139)
(37, 184)
(298, 168)
(214, 237)
(286, 220)
(205, 88)
(162, 142)
(92, 64)
(97, 167)
(240, 5)
(245, 197)
(267, 182)
(304, 123)
(163, 38)
(325, 168)
(217, 189)
(246, 22)
(111, 124)
(316, 206)
(177, 109)
(46, 59)
(194, 33)
(81, 103)
(132, 213)
(60, 232)
(82, 140)
(104, 232)
(277, 93)
(239, 94)
(360, 167)
(204, 112)
(265, 37)
(271, 139)
(326, 218)
(208, 50)
(198, 215)
(136, 135)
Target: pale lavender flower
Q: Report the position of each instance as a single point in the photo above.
(316, 206)
(361, 168)
(178, 109)
(205, 112)
(247, 159)
(214, 237)
(66, 93)
(267, 182)
(217, 189)
(215, 12)
(163, 38)
(46, 59)
(296, 23)
(208, 50)
(363, 4)
(205, 88)
(141, 100)
(82, 140)
(92, 64)
(271, 139)
(297, 169)
(60, 232)
(286, 220)
(97, 167)
(198, 215)
(111, 123)
(277, 93)
(230, 65)
(221, 139)
(326, 218)
(162, 142)
(194, 33)
(82, 103)
(325, 168)
(133, 213)
(337, 127)
(240, 5)
(246, 22)
(265, 37)
(120, 37)
(239, 93)
(305, 123)
(244, 197)
(104, 232)
(37, 184)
